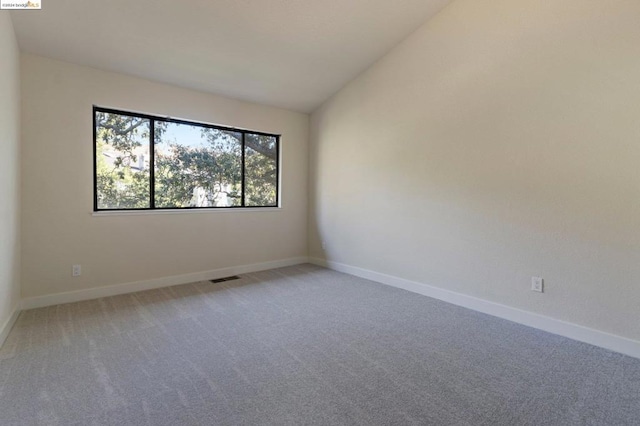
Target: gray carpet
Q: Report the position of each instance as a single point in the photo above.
(301, 346)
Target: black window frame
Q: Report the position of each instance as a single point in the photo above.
(152, 119)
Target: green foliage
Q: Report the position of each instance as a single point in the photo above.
(215, 170)
(261, 170)
(118, 139)
(185, 176)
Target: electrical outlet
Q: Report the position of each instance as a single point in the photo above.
(76, 270)
(537, 284)
(324, 245)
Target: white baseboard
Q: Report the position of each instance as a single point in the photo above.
(132, 287)
(594, 337)
(8, 325)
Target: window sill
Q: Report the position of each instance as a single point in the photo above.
(183, 211)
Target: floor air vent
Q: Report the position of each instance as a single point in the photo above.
(220, 280)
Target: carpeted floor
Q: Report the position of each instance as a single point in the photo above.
(301, 346)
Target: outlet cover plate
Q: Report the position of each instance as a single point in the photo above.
(537, 284)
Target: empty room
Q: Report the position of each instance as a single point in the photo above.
(336, 212)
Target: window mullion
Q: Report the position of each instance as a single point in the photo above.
(152, 164)
(243, 171)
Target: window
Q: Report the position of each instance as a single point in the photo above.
(143, 162)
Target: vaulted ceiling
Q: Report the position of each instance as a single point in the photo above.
(292, 54)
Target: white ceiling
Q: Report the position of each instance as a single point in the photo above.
(292, 54)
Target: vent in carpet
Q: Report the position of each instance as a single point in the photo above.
(220, 280)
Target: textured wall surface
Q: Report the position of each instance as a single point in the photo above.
(500, 141)
(9, 170)
(57, 169)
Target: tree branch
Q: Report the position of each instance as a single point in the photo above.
(121, 132)
(254, 145)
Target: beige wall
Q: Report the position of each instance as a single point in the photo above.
(9, 170)
(500, 141)
(58, 227)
